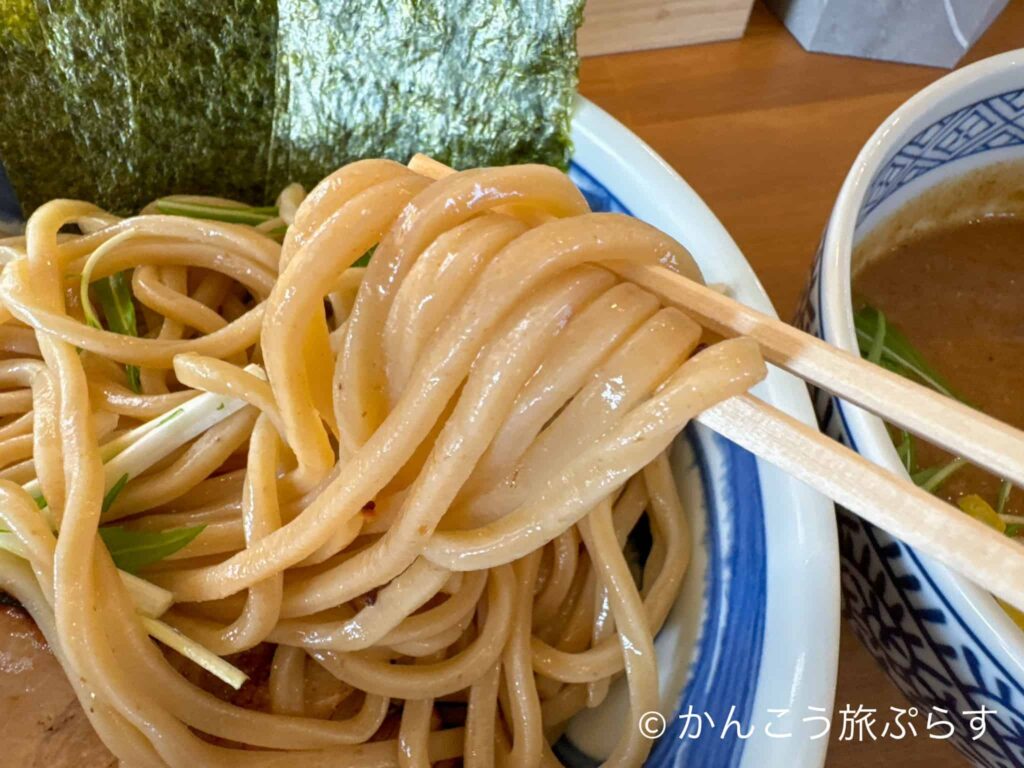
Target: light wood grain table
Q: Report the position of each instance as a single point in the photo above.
(765, 133)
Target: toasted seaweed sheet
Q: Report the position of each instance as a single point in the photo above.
(97, 99)
(204, 75)
(124, 102)
(469, 82)
(35, 129)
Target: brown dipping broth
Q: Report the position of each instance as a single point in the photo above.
(952, 284)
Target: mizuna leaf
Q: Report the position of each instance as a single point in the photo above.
(133, 550)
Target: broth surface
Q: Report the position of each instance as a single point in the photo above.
(956, 294)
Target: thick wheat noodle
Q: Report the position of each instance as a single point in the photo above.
(446, 360)
(635, 636)
(433, 285)
(631, 373)
(519, 682)
(358, 223)
(445, 639)
(484, 400)
(17, 340)
(605, 659)
(426, 500)
(174, 279)
(173, 305)
(202, 710)
(583, 347)
(22, 425)
(260, 516)
(453, 611)
(287, 682)
(414, 728)
(197, 462)
(117, 398)
(404, 595)
(442, 205)
(564, 560)
(255, 276)
(157, 353)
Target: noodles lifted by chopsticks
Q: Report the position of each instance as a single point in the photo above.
(423, 502)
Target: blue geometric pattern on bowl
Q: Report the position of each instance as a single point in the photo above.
(924, 644)
(993, 123)
(727, 660)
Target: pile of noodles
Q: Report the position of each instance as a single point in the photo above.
(423, 504)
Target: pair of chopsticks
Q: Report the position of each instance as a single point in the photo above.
(882, 498)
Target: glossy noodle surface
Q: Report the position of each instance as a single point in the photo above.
(413, 481)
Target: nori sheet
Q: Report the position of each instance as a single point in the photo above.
(35, 129)
(204, 75)
(470, 82)
(120, 102)
(86, 40)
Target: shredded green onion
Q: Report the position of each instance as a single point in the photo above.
(1004, 496)
(885, 345)
(931, 479)
(190, 649)
(111, 496)
(878, 343)
(173, 415)
(907, 451)
(241, 214)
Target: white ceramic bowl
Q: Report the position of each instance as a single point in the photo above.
(944, 641)
(756, 626)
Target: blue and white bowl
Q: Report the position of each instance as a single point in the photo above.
(755, 630)
(943, 641)
(754, 634)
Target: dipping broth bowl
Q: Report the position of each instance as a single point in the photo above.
(944, 641)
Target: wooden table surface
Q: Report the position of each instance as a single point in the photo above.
(765, 133)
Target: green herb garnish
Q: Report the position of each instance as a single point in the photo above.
(364, 260)
(894, 351)
(111, 496)
(883, 344)
(115, 298)
(907, 451)
(231, 214)
(1014, 529)
(932, 478)
(1004, 496)
(133, 550)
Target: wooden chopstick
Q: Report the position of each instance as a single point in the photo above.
(960, 429)
(923, 521)
(992, 560)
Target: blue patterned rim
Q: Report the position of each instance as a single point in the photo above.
(996, 122)
(727, 659)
